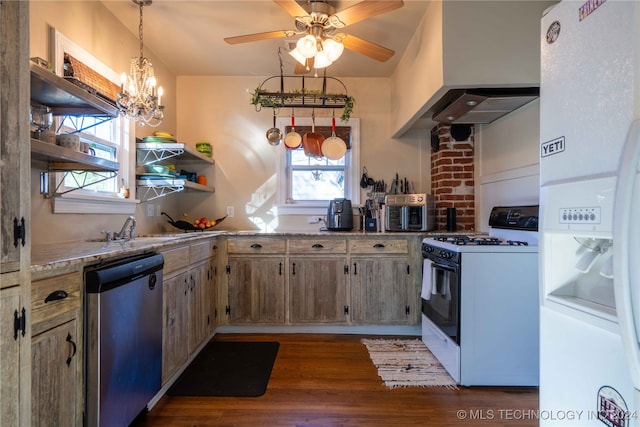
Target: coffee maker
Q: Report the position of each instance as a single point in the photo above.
(340, 215)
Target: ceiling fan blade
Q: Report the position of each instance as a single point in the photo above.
(259, 36)
(365, 9)
(370, 49)
(292, 7)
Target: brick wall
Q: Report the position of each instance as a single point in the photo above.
(452, 183)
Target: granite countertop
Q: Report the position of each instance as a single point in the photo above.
(63, 254)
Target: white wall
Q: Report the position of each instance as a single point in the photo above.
(217, 109)
(507, 162)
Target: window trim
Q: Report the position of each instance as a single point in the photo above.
(85, 200)
(352, 188)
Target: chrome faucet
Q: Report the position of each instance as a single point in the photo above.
(126, 233)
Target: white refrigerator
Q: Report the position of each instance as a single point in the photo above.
(589, 213)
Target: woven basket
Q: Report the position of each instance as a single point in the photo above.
(81, 72)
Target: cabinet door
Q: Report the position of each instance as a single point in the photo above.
(256, 289)
(198, 304)
(11, 354)
(175, 319)
(317, 289)
(211, 296)
(380, 290)
(55, 367)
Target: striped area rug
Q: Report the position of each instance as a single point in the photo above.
(407, 363)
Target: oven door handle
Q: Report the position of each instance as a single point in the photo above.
(444, 267)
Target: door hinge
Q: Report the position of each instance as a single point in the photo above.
(19, 323)
(346, 269)
(227, 310)
(407, 310)
(346, 310)
(19, 231)
(228, 269)
(408, 269)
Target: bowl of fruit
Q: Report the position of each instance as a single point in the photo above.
(199, 224)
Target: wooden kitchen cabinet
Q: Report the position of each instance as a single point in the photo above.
(188, 301)
(380, 282)
(175, 303)
(256, 289)
(383, 282)
(380, 289)
(256, 269)
(15, 182)
(56, 350)
(318, 289)
(175, 323)
(318, 280)
(211, 290)
(197, 304)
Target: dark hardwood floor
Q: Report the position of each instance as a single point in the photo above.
(329, 380)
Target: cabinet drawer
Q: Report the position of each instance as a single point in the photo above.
(44, 294)
(256, 246)
(318, 246)
(200, 251)
(175, 259)
(378, 246)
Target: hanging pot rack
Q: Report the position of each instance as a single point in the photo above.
(303, 97)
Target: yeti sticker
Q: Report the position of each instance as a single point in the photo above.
(612, 409)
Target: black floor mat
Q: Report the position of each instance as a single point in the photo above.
(233, 369)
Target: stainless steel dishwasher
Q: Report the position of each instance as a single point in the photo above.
(123, 338)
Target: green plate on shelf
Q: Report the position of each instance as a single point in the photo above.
(159, 140)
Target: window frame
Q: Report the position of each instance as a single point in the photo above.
(86, 200)
(283, 177)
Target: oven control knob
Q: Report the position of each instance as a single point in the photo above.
(445, 255)
(420, 199)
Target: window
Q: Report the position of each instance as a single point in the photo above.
(94, 192)
(307, 184)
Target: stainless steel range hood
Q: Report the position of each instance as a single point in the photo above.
(483, 105)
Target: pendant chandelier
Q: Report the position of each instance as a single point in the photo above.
(139, 100)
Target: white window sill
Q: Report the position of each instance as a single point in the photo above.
(93, 204)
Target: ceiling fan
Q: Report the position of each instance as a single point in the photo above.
(319, 22)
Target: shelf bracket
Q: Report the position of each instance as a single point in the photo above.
(80, 179)
(151, 192)
(78, 126)
(148, 156)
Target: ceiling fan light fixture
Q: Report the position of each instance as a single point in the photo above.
(333, 48)
(307, 46)
(295, 53)
(322, 60)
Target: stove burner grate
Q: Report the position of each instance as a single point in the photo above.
(478, 241)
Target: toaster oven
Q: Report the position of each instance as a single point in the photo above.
(409, 212)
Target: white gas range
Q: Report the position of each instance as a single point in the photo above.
(480, 300)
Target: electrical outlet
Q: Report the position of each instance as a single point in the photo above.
(151, 210)
(230, 211)
(158, 210)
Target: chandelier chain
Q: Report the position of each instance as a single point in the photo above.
(140, 30)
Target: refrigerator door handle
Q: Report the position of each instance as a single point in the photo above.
(622, 218)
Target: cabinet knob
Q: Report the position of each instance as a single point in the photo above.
(378, 245)
(256, 246)
(317, 246)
